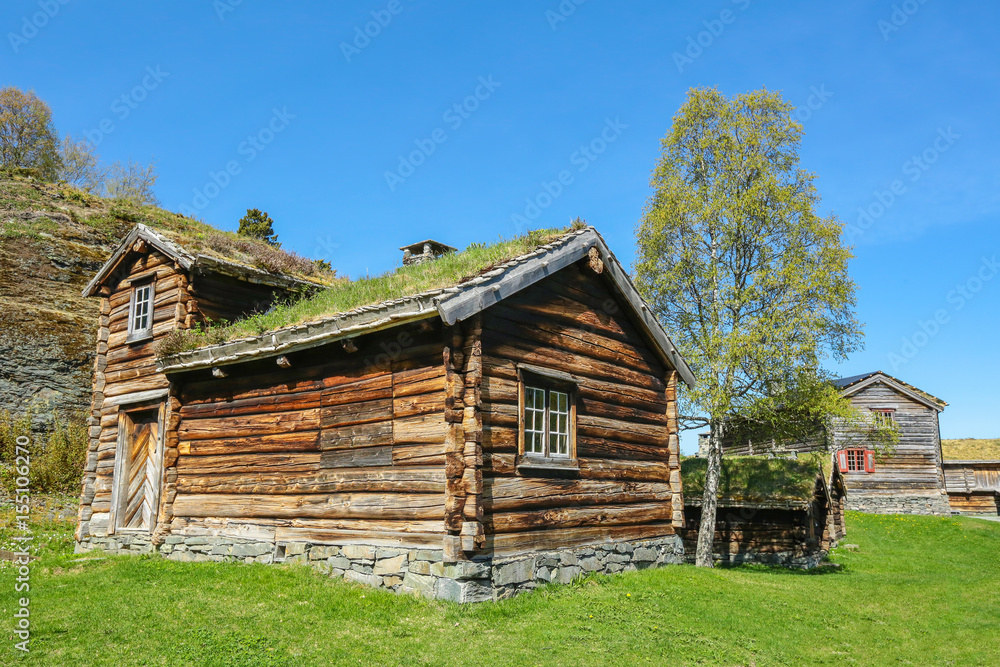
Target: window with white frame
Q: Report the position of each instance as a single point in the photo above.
(140, 323)
(547, 419)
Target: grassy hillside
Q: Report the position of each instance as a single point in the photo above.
(920, 591)
(53, 239)
(969, 449)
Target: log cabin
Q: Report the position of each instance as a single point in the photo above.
(973, 486)
(910, 481)
(771, 511)
(480, 434)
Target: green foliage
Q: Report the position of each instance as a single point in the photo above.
(57, 454)
(27, 136)
(257, 224)
(346, 295)
(750, 282)
(919, 591)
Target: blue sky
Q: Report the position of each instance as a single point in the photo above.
(354, 143)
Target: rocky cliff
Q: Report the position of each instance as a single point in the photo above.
(50, 246)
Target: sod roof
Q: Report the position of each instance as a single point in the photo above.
(754, 481)
(452, 287)
(971, 449)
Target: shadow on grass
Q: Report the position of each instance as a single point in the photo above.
(824, 569)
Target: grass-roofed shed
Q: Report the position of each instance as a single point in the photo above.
(771, 510)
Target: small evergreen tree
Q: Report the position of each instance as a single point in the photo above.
(258, 225)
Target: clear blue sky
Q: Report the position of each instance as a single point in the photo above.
(309, 117)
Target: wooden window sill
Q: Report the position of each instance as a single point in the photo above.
(140, 337)
(537, 465)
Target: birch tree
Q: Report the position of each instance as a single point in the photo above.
(27, 137)
(748, 277)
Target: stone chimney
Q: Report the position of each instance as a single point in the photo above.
(416, 253)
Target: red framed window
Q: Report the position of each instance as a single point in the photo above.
(884, 416)
(856, 460)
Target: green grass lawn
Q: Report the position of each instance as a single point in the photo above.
(919, 591)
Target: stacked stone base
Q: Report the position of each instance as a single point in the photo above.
(794, 559)
(936, 503)
(415, 571)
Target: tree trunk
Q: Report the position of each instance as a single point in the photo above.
(709, 502)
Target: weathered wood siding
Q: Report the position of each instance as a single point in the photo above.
(628, 484)
(977, 502)
(965, 476)
(915, 467)
(973, 486)
(339, 447)
(220, 297)
(123, 370)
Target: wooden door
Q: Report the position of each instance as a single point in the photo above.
(138, 470)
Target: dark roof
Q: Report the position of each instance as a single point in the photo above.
(920, 395)
(452, 304)
(754, 481)
(189, 253)
(840, 383)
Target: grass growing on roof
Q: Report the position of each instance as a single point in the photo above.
(445, 271)
(754, 478)
(971, 449)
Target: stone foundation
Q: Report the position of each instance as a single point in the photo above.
(416, 571)
(803, 560)
(898, 503)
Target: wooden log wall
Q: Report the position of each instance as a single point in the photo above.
(975, 502)
(338, 446)
(123, 370)
(966, 476)
(221, 297)
(628, 482)
(741, 530)
(915, 467)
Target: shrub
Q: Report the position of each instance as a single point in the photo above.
(267, 257)
(57, 453)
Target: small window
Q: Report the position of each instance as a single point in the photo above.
(140, 324)
(547, 416)
(884, 417)
(856, 460)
